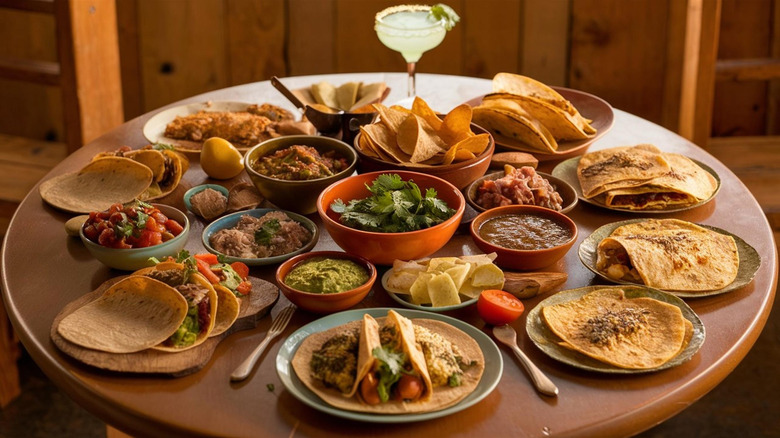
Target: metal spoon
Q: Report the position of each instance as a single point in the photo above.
(507, 335)
(324, 122)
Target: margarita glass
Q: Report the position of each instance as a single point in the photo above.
(410, 30)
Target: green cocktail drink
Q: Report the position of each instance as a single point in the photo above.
(412, 30)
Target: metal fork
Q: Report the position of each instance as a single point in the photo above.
(277, 327)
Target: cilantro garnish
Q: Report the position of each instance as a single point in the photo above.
(264, 234)
(441, 11)
(163, 146)
(395, 206)
(390, 369)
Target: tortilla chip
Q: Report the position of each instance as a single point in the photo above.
(132, 315)
(456, 125)
(346, 95)
(325, 93)
(421, 108)
(97, 186)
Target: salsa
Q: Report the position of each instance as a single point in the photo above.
(524, 232)
(322, 275)
(299, 163)
(137, 225)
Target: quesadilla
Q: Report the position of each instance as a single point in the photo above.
(346, 365)
(619, 168)
(632, 333)
(132, 315)
(669, 254)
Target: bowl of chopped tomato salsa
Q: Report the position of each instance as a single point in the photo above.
(127, 236)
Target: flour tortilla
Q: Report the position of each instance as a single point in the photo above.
(655, 343)
(228, 307)
(686, 183)
(514, 127)
(673, 255)
(441, 397)
(132, 315)
(97, 186)
(562, 125)
(620, 168)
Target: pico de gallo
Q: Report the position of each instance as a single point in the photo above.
(137, 225)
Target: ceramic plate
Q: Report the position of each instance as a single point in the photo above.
(749, 260)
(591, 107)
(567, 192)
(400, 298)
(230, 220)
(567, 171)
(494, 365)
(547, 341)
(154, 129)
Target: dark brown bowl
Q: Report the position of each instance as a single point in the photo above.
(567, 192)
(459, 174)
(524, 260)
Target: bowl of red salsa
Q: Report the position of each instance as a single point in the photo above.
(291, 171)
(125, 237)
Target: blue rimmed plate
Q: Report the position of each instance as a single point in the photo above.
(494, 365)
(230, 221)
(197, 189)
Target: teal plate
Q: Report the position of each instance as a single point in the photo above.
(749, 260)
(567, 171)
(494, 365)
(547, 341)
(400, 299)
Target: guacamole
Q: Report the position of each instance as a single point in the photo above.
(324, 275)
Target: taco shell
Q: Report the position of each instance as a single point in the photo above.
(97, 186)
(514, 128)
(132, 315)
(227, 310)
(562, 125)
(669, 254)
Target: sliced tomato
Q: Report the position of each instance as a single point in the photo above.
(241, 269)
(205, 269)
(497, 307)
(244, 287)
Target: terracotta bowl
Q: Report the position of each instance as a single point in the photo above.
(459, 174)
(567, 192)
(325, 303)
(384, 248)
(136, 258)
(297, 196)
(524, 260)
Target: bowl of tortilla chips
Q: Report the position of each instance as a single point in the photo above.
(420, 140)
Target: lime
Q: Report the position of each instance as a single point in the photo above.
(220, 159)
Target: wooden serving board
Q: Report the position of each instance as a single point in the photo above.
(253, 308)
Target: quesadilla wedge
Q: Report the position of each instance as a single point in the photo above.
(620, 168)
(132, 315)
(346, 365)
(669, 254)
(631, 333)
(202, 304)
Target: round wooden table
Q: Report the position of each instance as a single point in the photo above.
(43, 270)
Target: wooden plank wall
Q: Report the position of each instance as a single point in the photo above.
(626, 52)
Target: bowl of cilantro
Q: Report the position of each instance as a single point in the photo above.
(395, 215)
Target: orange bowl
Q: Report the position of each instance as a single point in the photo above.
(524, 259)
(325, 303)
(384, 248)
(459, 174)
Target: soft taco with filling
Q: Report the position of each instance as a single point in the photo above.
(202, 304)
(669, 254)
(134, 314)
(391, 366)
(167, 168)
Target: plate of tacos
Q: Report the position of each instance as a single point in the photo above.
(685, 259)
(640, 179)
(616, 330)
(387, 379)
(551, 123)
(244, 125)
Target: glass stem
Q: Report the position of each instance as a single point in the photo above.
(411, 68)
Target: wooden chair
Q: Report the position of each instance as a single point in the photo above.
(88, 75)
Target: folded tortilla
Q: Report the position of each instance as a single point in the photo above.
(167, 168)
(669, 254)
(132, 315)
(512, 126)
(632, 333)
(620, 168)
(562, 125)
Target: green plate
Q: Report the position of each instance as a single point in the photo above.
(494, 365)
(749, 260)
(567, 171)
(400, 298)
(547, 341)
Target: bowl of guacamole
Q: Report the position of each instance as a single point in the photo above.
(326, 281)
